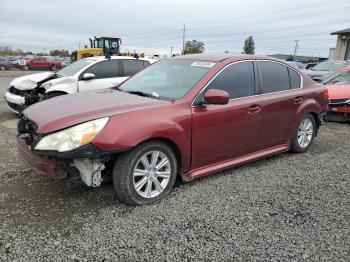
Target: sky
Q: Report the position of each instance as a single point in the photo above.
(154, 26)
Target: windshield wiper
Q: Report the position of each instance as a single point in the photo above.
(140, 93)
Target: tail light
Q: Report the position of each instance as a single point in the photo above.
(325, 94)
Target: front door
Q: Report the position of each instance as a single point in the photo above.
(222, 132)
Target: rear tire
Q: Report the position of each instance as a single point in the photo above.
(304, 135)
(136, 184)
(53, 68)
(25, 68)
(2, 68)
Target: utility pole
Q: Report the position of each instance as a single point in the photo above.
(171, 51)
(295, 49)
(183, 40)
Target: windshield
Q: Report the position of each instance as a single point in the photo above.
(339, 79)
(329, 66)
(170, 78)
(75, 67)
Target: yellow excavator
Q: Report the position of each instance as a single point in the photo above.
(99, 46)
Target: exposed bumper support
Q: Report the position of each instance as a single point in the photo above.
(90, 171)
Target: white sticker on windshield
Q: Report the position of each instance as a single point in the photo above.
(203, 64)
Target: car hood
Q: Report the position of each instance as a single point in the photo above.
(29, 82)
(68, 110)
(338, 91)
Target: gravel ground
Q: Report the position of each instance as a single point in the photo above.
(284, 208)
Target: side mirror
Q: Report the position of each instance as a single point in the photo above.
(88, 76)
(216, 97)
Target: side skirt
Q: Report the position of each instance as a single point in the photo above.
(213, 168)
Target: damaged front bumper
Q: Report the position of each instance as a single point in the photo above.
(59, 167)
(14, 102)
(17, 100)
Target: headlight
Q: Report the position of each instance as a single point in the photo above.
(73, 137)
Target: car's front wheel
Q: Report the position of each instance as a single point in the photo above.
(25, 68)
(304, 135)
(53, 67)
(145, 174)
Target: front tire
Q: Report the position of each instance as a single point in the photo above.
(304, 135)
(2, 68)
(53, 68)
(25, 68)
(145, 174)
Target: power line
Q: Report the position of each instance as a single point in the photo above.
(295, 49)
(183, 40)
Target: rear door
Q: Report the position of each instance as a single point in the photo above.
(222, 132)
(280, 97)
(106, 76)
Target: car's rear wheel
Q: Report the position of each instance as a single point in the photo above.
(25, 68)
(145, 174)
(53, 67)
(304, 135)
(2, 68)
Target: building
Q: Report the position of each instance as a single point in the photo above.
(342, 49)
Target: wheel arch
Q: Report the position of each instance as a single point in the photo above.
(172, 145)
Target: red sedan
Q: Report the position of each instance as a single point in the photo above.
(41, 62)
(187, 116)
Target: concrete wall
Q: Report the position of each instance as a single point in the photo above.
(340, 49)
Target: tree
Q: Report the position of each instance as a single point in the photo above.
(249, 47)
(193, 47)
(60, 53)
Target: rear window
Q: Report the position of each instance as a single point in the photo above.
(274, 76)
(131, 66)
(294, 78)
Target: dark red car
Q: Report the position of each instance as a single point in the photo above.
(43, 63)
(186, 116)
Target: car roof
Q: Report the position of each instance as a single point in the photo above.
(218, 57)
(102, 58)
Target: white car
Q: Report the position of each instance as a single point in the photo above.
(85, 75)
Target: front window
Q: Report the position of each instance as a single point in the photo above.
(339, 79)
(170, 78)
(75, 67)
(329, 66)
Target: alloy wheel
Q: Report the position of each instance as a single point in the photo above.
(305, 132)
(151, 174)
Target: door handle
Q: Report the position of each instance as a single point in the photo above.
(253, 109)
(298, 100)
